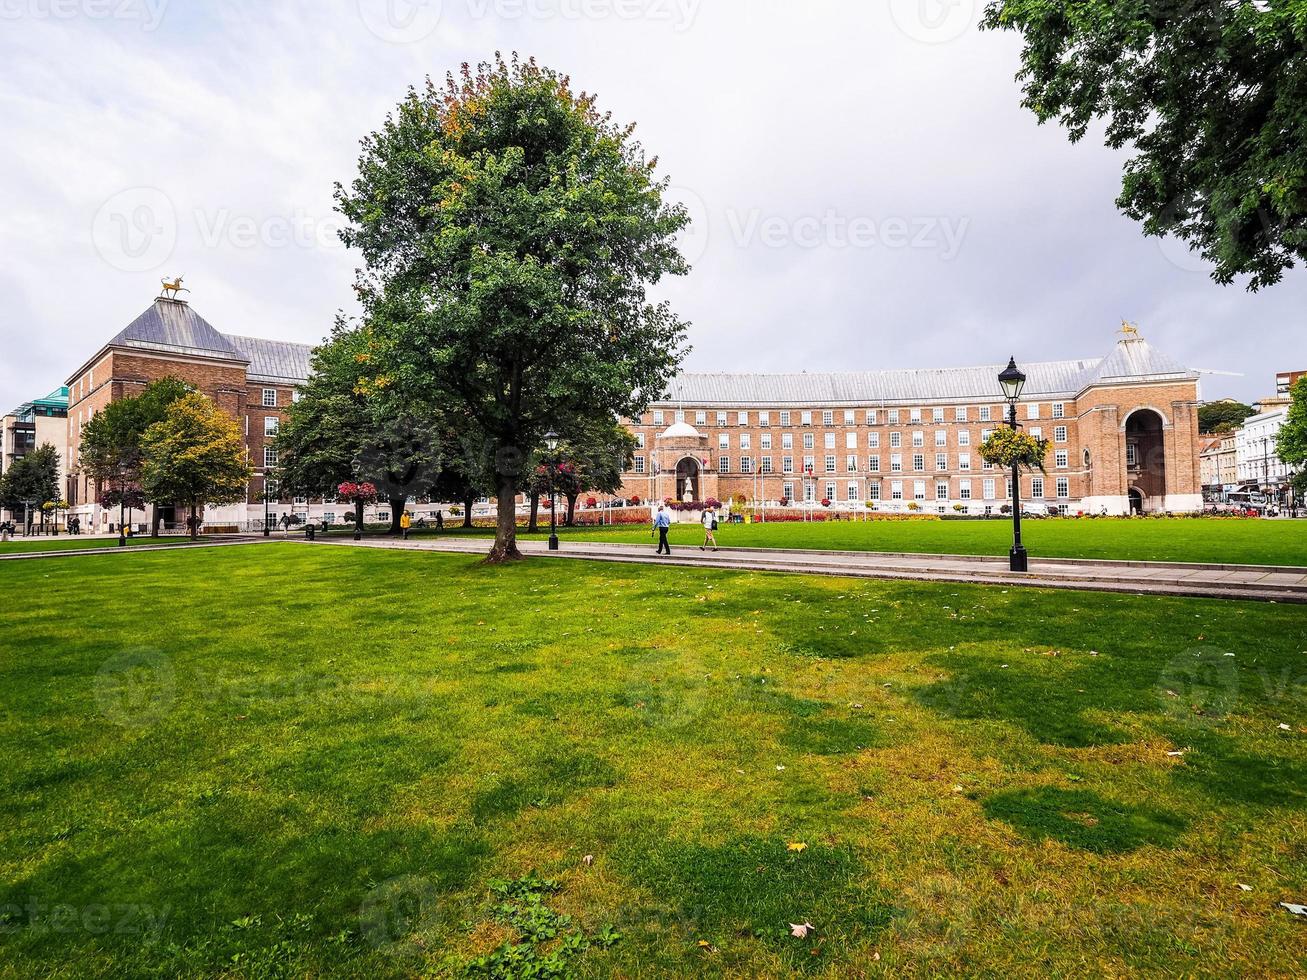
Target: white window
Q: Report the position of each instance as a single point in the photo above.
(851, 491)
(937, 415)
(941, 491)
(1131, 454)
(723, 440)
(918, 463)
(918, 489)
(984, 413)
(1032, 410)
(764, 465)
(964, 437)
(1059, 433)
(787, 464)
(964, 461)
(746, 464)
(742, 418)
(805, 418)
(723, 464)
(914, 416)
(895, 440)
(896, 490)
(896, 462)
(1060, 459)
(764, 419)
(850, 440)
(809, 463)
(680, 416)
(1063, 487)
(764, 440)
(964, 489)
(873, 440)
(851, 464)
(270, 425)
(1037, 431)
(828, 440)
(700, 418)
(638, 464)
(1037, 486)
(893, 416)
(269, 397)
(871, 416)
(810, 491)
(941, 437)
(830, 464)
(658, 418)
(828, 417)
(745, 441)
(849, 417)
(639, 440)
(960, 413)
(721, 420)
(985, 434)
(918, 439)
(1058, 410)
(873, 490)
(941, 461)
(787, 440)
(873, 464)
(785, 418)
(830, 492)
(987, 488)
(787, 491)
(809, 440)
(269, 456)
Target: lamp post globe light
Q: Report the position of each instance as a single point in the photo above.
(551, 443)
(1012, 381)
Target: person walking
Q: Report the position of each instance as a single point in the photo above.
(440, 520)
(405, 522)
(709, 520)
(661, 522)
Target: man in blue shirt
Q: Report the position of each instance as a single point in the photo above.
(661, 522)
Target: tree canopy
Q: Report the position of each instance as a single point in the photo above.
(1211, 99)
(510, 231)
(196, 454)
(1223, 416)
(33, 479)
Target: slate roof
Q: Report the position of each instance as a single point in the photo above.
(274, 360)
(1132, 360)
(171, 325)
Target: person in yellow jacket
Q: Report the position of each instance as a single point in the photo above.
(405, 522)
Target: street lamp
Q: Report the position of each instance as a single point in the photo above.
(267, 517)
(1012, 380)
(551, 442)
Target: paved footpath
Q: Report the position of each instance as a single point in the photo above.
(1274, 583)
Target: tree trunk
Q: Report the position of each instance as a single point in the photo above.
(397, 505)
(533, 525)
(468, 499)
(358, 520)
(155, 518)
(505, 548)
(195, 522)
(571, 511)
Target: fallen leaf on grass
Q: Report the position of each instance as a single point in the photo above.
(1245, 888)
(1285, 728)
(1295, 909)
(588, 860)
(797, 847)
(800, 930)
(706, 946)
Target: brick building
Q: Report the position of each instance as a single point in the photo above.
(252, 379)
(1122, 430)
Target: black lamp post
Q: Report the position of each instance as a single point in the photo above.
(267, 516)
(122, 504)
(551, 442)
(1012, 380)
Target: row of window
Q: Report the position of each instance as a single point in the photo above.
(871, 416)
(829, 439)
(853, 463)
(853, 490)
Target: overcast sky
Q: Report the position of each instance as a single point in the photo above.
(866, 191)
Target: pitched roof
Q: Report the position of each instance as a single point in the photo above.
(274, 360)
(171, 325)
(1132, 360)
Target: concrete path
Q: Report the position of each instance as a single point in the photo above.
(126, 549)
(1273, 583)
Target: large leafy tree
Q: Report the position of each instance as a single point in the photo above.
(342, 430)
(31, 481)
(1211, 99)
(598, 451)
(510, 232)
(1223, 416)
(195, 455)
(110, 450)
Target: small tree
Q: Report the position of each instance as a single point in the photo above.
(195, 455)
(358, 494)
(32, 481)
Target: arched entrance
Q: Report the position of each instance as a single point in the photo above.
(689, 479)
(1145, 456)
(1136, 501)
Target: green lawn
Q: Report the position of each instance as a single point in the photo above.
(66, 542)
(292, 761)
(1216, 540)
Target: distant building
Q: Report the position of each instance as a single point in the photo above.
(1218, 465)
(1121, 428)
(36, 423)
(1255, 451)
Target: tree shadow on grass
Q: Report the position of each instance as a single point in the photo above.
(1083, 820)
(1215, 765)
(547, 780)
